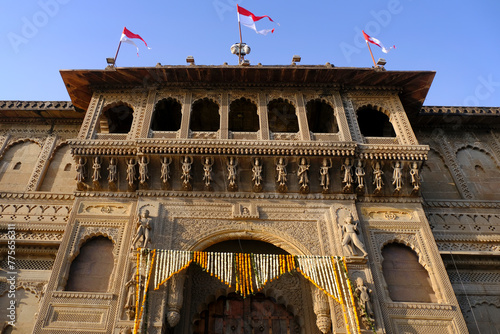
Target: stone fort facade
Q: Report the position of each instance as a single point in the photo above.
(249, 159)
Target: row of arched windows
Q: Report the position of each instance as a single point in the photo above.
(243, 116)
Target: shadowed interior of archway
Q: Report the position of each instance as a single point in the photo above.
(245, 246)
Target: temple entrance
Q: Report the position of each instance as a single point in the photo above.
(252, 315)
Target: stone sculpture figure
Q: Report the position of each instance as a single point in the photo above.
(231, 173)
(415, 176)
(303, 176)
(360, 174)
(362, 292)
(165, 169)
(397, 176)
(257, 174)
(207, 171)
(377, 178)
(143, 230)
(130, 302)
(324, 174)
(143, 169)
(186, 172)
(131, 171)
(281, 174)
(112, 170)
(97, 170)
(351, 238)
(347, 180)
(80, 170)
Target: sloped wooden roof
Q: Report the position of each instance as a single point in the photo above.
(414, 85)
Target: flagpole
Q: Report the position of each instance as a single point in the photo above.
(241, 40)
(116, 55)
(369, 48)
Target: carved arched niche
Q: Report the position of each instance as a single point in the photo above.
(17, 165)
(167, 115)
(91, 269)
(407, 280)
(437, 181)
(481, 172)
(61, 173)
(320, 117)
(243, 116)
(116, 118)
(374, 123)
(282, 116)
(204, 115)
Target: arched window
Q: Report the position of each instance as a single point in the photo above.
(167, 115)
(205, 115)
(243, 116)
(91, 269)
(406, 279)
(116, 119)
(320, 117)
(374, 123)
(282, 117)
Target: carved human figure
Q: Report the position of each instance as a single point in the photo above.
(186, 170)
(96, 175)
(143, 230)
(130, 302)
(281, 171)
(377, 177)
(347, 168)
(231, 171)
(131, 171)
(360, 174)
(143, 169)
(302, 173)
(397, 179)
(112, 170)
(165, 169)
(256, 172)
(362, 292)
(80, 170)
(415, 176)
(324, 173)
(207, 170)
(351, 238)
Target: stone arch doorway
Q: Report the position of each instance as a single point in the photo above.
(284, 305)
(254, 314)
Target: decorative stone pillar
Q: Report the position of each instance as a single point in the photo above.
(42, 163)
(91, 117)
(340, 113)
(224, 116)
(186, 116)
(322, 310)
(263, 117)
(302, 118)
(4, 139)
(144, 116)
(175, 299)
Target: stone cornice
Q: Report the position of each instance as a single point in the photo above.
(466, 237)
(462, 204)
(37, 195)
(393, 152)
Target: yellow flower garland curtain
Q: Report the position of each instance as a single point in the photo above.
(248, 273)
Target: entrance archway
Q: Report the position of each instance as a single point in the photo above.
(252, 315)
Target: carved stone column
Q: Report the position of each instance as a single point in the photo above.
(263, 119)
(322, 310)
(302, 118)
(144, 117)
(224, 116)
(186, 116)
(352, 119)
(4, 139)
(91, 117)
(340, 113)
(175, 299)
(42, 163)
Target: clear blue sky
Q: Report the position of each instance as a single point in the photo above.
(457, 39)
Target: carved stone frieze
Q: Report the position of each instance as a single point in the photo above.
(388, 213)
(112, 209)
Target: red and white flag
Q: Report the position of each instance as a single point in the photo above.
(248, 20)
(126, 38)
(375, 41)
